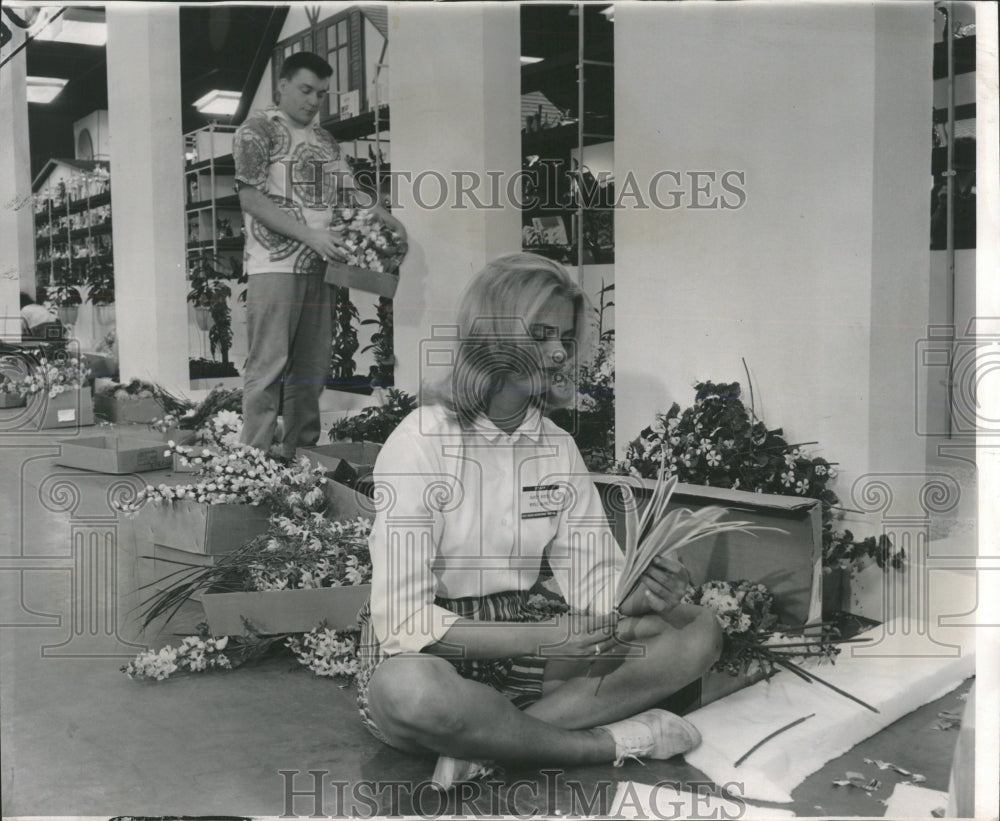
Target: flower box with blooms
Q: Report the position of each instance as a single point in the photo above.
(300, 572)
(374, 253)
(10, 397)
(720, 442)
(137, 402)
(786, 558)
(54, 392)
(237, 490)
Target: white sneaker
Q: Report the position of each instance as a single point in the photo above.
(652, 734)
(450, 771)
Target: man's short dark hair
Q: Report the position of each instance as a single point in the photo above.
(305, 59)
(26, 299)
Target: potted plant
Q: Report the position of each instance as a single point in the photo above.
(209, 296)
(101, 281)
(66, 301)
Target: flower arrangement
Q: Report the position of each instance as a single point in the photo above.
(52, 377)
(719, 442)
(376, 423)
(298, 551)
(137, 389)
(241, 475)
(199, 417)
(324, 651)
(370, 243)
(754, 642)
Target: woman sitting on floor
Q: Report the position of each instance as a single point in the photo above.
(478, 485)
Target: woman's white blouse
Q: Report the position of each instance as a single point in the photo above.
(466, 513)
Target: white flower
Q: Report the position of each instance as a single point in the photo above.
(713, 459)
(788, 478)
(802, 486)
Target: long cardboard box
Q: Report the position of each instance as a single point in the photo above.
(113, 453)
(200, 528)
(69, 410)
(285, 611)
(134, 410)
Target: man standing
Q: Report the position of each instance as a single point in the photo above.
(290, 175)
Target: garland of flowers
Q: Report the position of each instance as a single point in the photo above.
(51, 377)
(241, 475)
(326, 652)
(719, 442)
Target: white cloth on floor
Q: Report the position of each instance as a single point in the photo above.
(911, 801)
(894, 684)
(663, 800)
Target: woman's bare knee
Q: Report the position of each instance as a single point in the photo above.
(413, 695)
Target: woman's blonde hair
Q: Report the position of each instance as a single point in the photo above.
(495, 313)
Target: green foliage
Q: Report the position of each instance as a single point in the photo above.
(375, 424)
(345, 335)
(719, 442)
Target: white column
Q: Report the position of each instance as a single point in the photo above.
(818, 276)
(147, 184)
(455, 106)
(17, 246)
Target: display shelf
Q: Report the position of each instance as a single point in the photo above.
(965, 57)
(355, 128)
(232, 202)
(67, 225)
(222, 164)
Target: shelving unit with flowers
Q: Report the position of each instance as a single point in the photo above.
(72, 219)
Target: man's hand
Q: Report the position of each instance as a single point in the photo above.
(328, 244)
(659, 590)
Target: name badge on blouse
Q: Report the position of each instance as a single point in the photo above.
(541, 501)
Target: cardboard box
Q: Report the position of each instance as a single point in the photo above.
(361, 279)
(200, 528)
(789, 563)
(12, 400)
(345, 462)
(127, 411)
(69, 410)
(113, 453)
(285, 611)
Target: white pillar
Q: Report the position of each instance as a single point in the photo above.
(818, 274)
(147, 185)
(17, 243)
(454, 76)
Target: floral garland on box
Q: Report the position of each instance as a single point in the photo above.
(371, 244)
(241, 475)
(719, 442)
(51, 377)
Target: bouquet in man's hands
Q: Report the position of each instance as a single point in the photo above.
(368, 241)
(373, 251)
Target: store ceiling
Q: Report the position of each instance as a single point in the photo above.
(224, 47)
